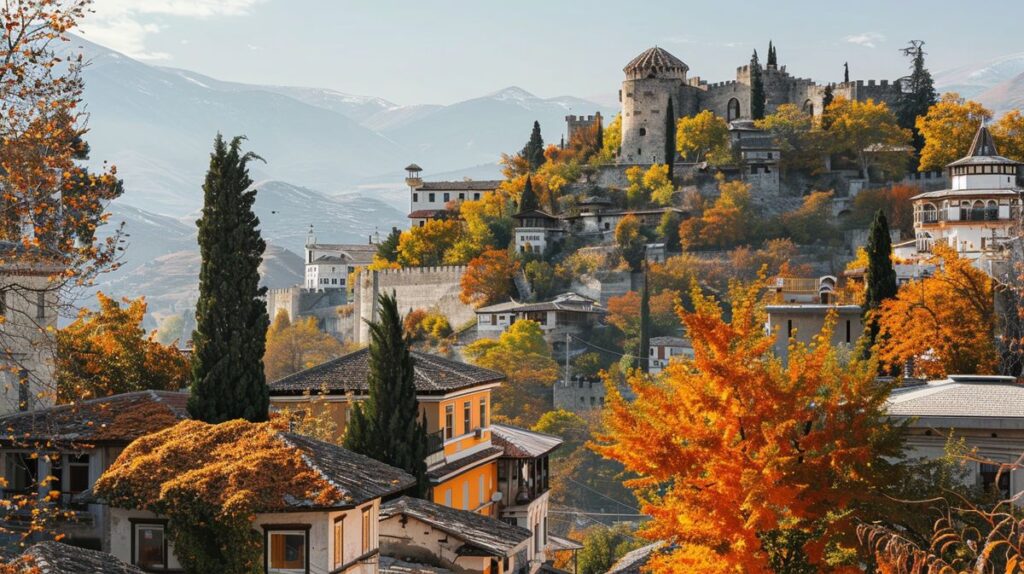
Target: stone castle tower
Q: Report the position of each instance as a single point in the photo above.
(655, 77)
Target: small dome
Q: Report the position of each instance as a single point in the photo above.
(656, 62)
(413, 167)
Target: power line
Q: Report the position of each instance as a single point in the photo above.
(602, 495)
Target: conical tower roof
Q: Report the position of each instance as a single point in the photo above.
(983, 151)
(655, 60)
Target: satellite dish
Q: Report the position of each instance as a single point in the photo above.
(496, 497)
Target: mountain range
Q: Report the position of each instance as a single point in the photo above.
(996, 83)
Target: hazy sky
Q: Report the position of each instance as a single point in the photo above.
(441, 51)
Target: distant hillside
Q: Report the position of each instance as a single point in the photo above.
(989, 82)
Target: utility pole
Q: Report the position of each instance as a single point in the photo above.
(567, 337)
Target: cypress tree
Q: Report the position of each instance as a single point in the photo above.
(917, 91)
(846, 72)
(528, 199)
(388, 249)
(231, 317)
(645, 325)
(534, 150)
(880, 277)
(757, 97)
(387, 426)
(670, 138)
(772, 60)
(599, 135)
(826, 101)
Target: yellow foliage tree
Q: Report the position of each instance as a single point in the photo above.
(660, 186)
(292, 347)
(107, 352)
(1008, 132)
(869, 132)
(944, 323)
(733, 449)
(948, 129)
(800, 145)
(612, 142)
(427, 244)
(704, 137)
(523, 356)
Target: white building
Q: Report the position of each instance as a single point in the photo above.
(980, 209)
(986, 412)
(566, 313)
(662, 349)
(328, 265)
(536, 230)
(432, 199)
(593, 219)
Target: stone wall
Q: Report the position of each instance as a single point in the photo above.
(432, 288)
(604, 285)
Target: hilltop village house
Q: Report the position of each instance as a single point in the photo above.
(799, 308)
(565, 315)
(467, 459)
(431, 199)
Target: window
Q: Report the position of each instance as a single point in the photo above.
(78, 473)
(476, 196)
(462, 196)
(449, 421)
(150, 546)
(494, 319)
(992, 478)
(41, 305)
(467, 415)
(847, 330)
(447, 197)
(367, 525)
(643, 131)
(339, 541)
(415, 197)
(789, 327)
(483, 413)
(286, 552)
(430, 197)
(480, 492)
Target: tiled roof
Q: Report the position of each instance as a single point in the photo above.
(471, 185)
(56, 558)
(534, 213)
(426, 213)
(975, 192)
(358, 478)
(413, 167)
(655, 59)
(349, 373)
(521, 443)
(436, 474)
(118, 419)
(998, 400)
(634, 562)
(488, 534)
(669, 342)
(983, 151)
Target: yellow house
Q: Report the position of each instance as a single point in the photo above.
(455, 399)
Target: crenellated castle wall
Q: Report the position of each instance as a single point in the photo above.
(434, 288)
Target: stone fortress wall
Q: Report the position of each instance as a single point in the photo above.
(428, 288)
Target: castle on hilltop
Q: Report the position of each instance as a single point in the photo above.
(656, 78)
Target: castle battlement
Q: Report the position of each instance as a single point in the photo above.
(406, 271)
(587, 119)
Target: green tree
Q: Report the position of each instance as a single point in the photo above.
(668, 230)
(670, 138)
(757, 97)
(231, 316)
(917, 92)
(602, 546)
(846, 72)
(880, 278)
(599, 133)
(388, 249)
(826, 100)
(386, 426)
(773, 59)
(528, 200)
(534, 150)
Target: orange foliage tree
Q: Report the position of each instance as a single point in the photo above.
(107, 352)
(735, 451)
(209, 480)
(944, 323)
(488, 278)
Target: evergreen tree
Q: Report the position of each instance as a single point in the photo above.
(231, 316)
(826, 101)
(534, 150)
(880, 277)
(388, 249)
(772, 59)
(528, 200)
(846, 72)
(645, 325)
(670, 138)
(917, 92)
(387, 426)
(757, 97)
(599, 135)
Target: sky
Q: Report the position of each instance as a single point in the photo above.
(443, 51)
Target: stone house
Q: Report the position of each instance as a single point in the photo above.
(985, 411)
(536, 230)
(304, 537)
(662, 349)
(579, 394)
(566, 314)
(431, 199)
(75, 444)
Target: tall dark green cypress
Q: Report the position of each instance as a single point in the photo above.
(880, 277)
(846, 72)
(528, 199)
(599, 134)
(773, 60)
(534, 150)
(917, 92)
(387, 425)
(826, 101)
(645, 325)
(388, 249)
(757, 97)
(670, 138)
(231, 316)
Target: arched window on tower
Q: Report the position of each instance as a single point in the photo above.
(732, 111)
(978, 210)
(809, 108)
(991, 210)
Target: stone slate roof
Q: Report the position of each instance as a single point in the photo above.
(466, 462)
(471, 185)
(118, 419)
(432, 375)
(483, 533)
(521, 443)
(634, 562)
(56, 558)
(655, 59)
(983, 152)
(669, 342)
(975, 401)
(358, 478)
